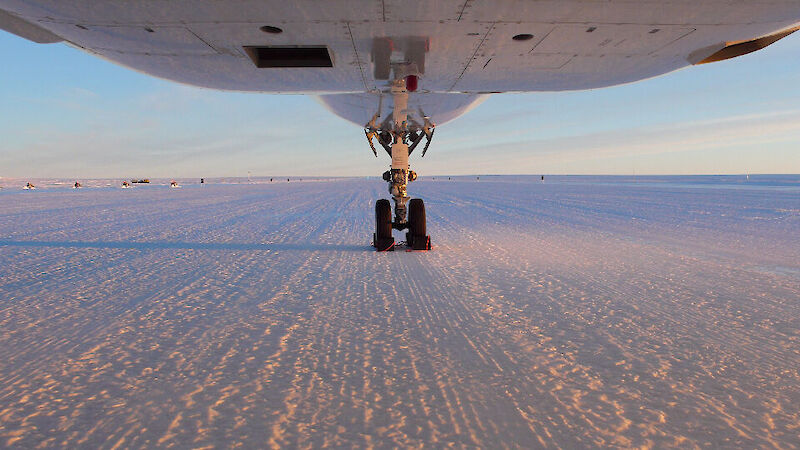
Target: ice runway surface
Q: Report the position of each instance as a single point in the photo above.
(578, 312)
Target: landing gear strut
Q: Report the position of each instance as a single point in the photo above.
(399, 143)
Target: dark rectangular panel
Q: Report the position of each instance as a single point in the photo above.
(308, 56)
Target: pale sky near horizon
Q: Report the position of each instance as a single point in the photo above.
(67, 114)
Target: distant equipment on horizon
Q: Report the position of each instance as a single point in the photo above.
(126, 185)
(29, 186)
(143, 181)
(77, 185)
(174, 184)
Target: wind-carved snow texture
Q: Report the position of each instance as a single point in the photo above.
(578, 312)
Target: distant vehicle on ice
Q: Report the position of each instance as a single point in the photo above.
(174, 184)
(142, 181)
(126, 185)
(77, 185)
(29, 186)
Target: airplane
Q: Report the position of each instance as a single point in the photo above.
(399, 69)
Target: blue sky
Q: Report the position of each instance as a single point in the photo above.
(68, 114)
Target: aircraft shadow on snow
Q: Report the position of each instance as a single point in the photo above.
(160, 245)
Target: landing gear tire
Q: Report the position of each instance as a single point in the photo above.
(382, 240)
(417, 236)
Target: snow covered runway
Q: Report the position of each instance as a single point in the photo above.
(576, 312)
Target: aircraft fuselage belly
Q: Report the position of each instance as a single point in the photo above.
(459, 50)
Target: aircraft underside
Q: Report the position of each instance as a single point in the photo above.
(399, 68)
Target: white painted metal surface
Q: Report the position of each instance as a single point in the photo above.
(400, 156)
(461, 49)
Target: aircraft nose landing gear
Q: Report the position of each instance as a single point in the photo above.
(411, 218)
(396, 143)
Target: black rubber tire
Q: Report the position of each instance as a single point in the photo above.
(416, 218)
(383, 219)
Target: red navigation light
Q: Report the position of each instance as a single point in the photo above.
(411, 83)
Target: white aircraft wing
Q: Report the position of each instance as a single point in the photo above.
(465, 47)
